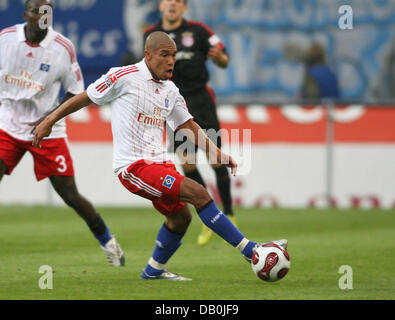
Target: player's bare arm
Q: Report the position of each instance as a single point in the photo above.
(37, 122)
(195, 133)
(217, 54)
(71, 105)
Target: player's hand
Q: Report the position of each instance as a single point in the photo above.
(41, 131)
(232, 165)
(227, 161)
(217, 54)
(34, 124)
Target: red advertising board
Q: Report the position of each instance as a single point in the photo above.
(272, 124)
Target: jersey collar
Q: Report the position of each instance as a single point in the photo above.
(44, 43)
(142, 66)
(183, 25)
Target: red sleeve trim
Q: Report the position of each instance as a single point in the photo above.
(212, 94)
(149, 29)
(125, 71)
(68, 45)
(78, 75)
(7, 30)
(118, 74)
(222, 47)
(197, 23)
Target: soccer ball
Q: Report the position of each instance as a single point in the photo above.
(270, 262)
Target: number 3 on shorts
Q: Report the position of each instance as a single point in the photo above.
(62, 162)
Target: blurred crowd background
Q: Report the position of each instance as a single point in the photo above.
(279, 50)
(267, 41)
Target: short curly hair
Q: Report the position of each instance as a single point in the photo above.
(28, 1)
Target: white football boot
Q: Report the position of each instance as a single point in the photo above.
(114, 253)
(283, 243)
(165, 275)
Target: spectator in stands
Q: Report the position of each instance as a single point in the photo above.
(319, 80)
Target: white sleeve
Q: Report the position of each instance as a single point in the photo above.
(105, 89)
(179, 115)
(72, 79)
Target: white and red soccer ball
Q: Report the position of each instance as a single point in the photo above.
(270, 262)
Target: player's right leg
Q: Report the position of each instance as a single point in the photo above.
(53, 161)
(11, 152)
(168, 240)
(3, 169)
(66, 188)
(160, 183)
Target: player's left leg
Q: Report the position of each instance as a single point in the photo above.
(224, 188)
(213, 217)
(222, 179)
(66, 188)
(221, 173)
(191, 171)
(216, 220)
(213, 128)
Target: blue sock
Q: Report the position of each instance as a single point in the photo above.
(217, 221)
(167, 243)
(247, 251)
(105, 237)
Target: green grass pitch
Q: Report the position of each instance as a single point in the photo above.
(320, 242)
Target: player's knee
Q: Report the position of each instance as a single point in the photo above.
(194, 193)
(187, 218)
(179, 221)
(182, 224)
(70, 197)
(201, 196)
(188, 167)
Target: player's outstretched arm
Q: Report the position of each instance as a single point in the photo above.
(220, 58)
(34, 124)
(216, 157)
(73, 104)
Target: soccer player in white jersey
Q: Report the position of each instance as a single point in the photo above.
(34, 62)
(142, 99)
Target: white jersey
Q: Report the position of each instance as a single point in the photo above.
(31, 77)
(140, 106)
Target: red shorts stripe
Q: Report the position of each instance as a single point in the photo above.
(141, 184)
(158, 182)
